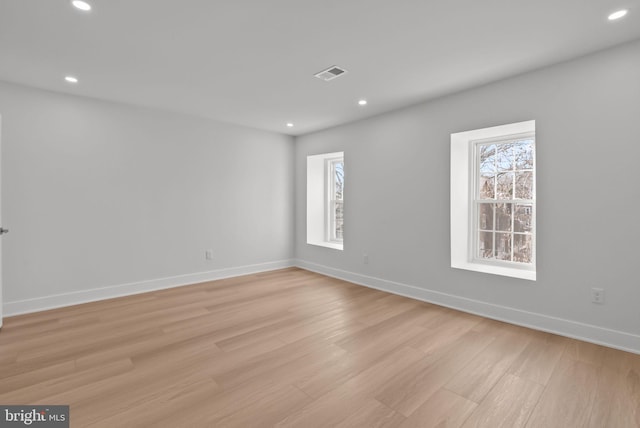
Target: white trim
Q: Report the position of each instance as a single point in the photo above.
(461, 198)
(327, 244)
(587, 332)
(85, 296)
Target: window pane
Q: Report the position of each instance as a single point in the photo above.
(522, 219)
(503, 217)
(522, 249)
(504, 157)
(339, 213)
(503, 246)
(524, 185)
(487, 190)
(485, 216)
(338, 168)
(523, 152)
(505, 185)
(487, 159)
(485, 245)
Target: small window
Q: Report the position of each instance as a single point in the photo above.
(336, 200)
(325, 200)
(493, 200)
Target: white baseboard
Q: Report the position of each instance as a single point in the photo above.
(589, 333)
(67, 299)
(563, 327)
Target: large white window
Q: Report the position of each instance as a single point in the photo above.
(325, 200)
(493, 202)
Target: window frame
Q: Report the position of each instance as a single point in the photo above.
(331, 229)
(476, 201)
(463, 174)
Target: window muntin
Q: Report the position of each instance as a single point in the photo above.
(503, 206)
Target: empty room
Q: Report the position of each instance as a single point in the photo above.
(307, 214)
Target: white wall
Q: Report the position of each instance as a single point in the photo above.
(587, 114)
(99, 194)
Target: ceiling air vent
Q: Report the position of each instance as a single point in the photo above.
(330, 73)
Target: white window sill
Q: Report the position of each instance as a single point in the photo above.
(333, 245)
(495, 270)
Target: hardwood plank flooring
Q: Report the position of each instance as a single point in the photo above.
(292, 348)
(509, 404)
(442, 409)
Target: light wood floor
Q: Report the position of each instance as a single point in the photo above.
(293, 348)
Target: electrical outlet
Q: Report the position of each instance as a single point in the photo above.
(208, 254)
(597, 295)
(365, 259)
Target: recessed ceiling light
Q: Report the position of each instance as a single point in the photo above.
(289, 125)
(82, 5)
(617, 15)
(362, 102)
(71, 79)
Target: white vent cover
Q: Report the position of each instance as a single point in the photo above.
(330, 73)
